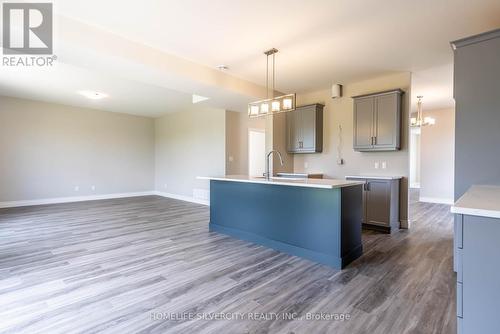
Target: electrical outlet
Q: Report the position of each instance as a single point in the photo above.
(384, 165)
(92, 188)
(77, 188)
(201, 194)
(376, 165)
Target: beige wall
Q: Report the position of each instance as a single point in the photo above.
(414, 158)
(189, 143)
(279, 144)
(69, 146)
(46, 150)
(437, 156)
(340, 112)
(237, 126)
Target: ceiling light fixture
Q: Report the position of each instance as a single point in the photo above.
(420, 120)
(274, 104)
(199, 98)
(92, 95)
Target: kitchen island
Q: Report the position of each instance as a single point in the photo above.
(317, 219)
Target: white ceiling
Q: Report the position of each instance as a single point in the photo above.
(320, 42)
(435, 85)
(62, 83)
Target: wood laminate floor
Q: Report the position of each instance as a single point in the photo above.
(149, 264)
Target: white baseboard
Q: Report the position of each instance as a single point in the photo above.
(438, 200)
(56, 200)
(182, 198)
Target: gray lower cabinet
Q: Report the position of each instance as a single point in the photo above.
(380, 204)
(478, 274)
(304, 129)
(377, 121)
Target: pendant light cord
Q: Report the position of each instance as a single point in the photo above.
(274, 72)
(339, 145)
(267, 76)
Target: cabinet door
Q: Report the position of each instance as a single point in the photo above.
(365, 198)
(292, 131)
(378, 202)
(308, 129)
(480, 294)
(363, 122)
(387, 120)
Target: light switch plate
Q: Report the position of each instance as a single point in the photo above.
(384, 165)
(376, 165)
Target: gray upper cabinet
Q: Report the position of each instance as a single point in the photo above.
(304, 129)
(363, 123)
(377, 121)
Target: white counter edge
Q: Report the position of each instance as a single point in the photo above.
(372, 177)
(475, 212)
(296, 183)
(479, 200)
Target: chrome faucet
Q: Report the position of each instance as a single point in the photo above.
(268, 173)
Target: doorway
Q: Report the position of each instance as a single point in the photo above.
(415, 157)
(256, 152)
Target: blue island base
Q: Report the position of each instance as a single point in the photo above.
(322, 225)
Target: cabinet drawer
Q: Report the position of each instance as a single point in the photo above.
(459, 231)
(459, 300)
(460, 325)
(460, 272)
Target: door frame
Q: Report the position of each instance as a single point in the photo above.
(248, 144)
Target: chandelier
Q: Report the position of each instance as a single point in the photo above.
(271, 105)
(420, 120)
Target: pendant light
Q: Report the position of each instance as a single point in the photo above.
(420, 120)
(271, 105)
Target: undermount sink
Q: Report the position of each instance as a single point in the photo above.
(286, 176)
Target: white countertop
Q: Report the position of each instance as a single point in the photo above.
(479, 201)
(311, 183)
(379, 177)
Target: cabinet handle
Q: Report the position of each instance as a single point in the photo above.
(371, 140)
(367, 186)
(375, 140)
